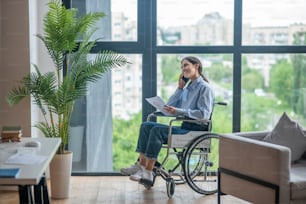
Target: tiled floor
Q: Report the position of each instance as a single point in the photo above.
(119, 190)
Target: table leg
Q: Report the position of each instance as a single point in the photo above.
(25, 194)
(41, 192)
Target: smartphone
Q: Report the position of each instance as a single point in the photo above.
(185, 79)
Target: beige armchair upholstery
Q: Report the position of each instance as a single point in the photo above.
(259, 172)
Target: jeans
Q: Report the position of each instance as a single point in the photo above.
(152, 136)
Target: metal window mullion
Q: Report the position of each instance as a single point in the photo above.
(236, 122)
(149, 71)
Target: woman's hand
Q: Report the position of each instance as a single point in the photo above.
(181, 82)
(170, 109)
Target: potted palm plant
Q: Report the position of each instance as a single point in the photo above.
(67, 38)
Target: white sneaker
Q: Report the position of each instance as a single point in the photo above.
(137, 176)
(147, 179)
(147, 175)
(130, 170)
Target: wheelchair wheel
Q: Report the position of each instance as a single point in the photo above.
(201, 164)
(170, 188)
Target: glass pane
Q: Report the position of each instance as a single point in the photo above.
(124, 20)
(273, 22)
(195, 22)
(126, 111)
(272, 84)
(120, 22)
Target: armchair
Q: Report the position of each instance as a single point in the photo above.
(258, 171)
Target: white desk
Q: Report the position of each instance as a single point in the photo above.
(30, 174)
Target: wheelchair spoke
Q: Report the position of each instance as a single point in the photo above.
(201, 164)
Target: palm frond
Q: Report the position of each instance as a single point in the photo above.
(43, 88)
(57, 57)
(88, 21)
(45, 129)
(15, 95)
(59, 25)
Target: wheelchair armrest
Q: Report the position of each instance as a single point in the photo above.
(156, 114)
(189, 120)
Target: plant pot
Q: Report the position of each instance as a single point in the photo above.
(76, 142)
(60, 173)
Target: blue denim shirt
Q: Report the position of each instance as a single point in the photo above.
(195, 101)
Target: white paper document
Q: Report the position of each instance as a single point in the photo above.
(159, 104)
(25, 158)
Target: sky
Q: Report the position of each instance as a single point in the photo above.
(256, 12)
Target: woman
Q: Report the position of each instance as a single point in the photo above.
(193, 99)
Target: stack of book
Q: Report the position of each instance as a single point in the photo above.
(11, 134)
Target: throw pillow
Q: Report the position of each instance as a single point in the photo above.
(290, 134)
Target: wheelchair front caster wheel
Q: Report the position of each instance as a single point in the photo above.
(170, 187)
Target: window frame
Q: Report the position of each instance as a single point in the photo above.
(146, 45)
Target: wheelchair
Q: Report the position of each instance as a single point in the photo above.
(196, 155)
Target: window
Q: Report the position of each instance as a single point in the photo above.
(195, 22)
(253, 53)
(272, 23)
(120, 19)
(272, 84)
